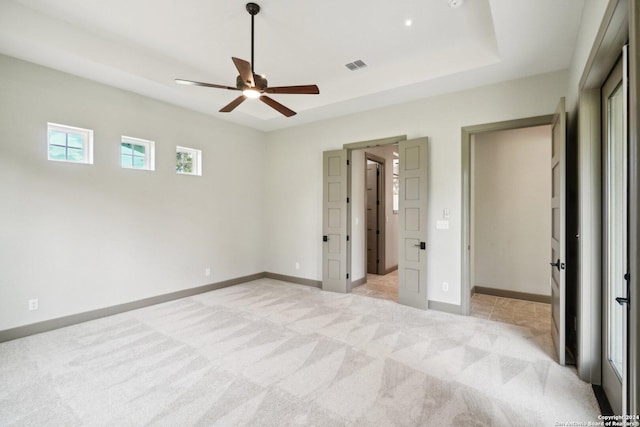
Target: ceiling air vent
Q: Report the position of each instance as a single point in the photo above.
(355, 65)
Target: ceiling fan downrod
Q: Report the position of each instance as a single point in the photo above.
(253, 10)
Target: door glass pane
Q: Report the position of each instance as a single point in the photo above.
(616, 227)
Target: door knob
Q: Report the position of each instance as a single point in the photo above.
(559, 265)
(622, 301)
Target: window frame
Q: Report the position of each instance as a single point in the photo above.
(87, 142)
(197, 160)
(149, 156)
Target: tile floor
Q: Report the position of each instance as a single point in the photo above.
(383, 287)
(533, 315)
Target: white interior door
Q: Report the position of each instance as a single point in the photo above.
(558, 191)
(412, 233)
(334, 221)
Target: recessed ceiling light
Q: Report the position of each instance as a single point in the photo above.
(455, 3)
(408, 22)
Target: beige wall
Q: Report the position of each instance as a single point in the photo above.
(294, 161)
(510, 210)
(358, 216)
(82, 237)
(592, 15)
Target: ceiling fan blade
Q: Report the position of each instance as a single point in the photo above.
(233, 104)
(244, 68)
(277, 106)
(192, 83)
(303, 90)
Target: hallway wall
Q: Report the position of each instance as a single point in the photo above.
(358, 215)
(511, 210)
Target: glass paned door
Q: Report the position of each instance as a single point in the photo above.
(616, 227)
(615, 236)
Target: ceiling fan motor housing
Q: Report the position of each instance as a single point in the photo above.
(260, 83)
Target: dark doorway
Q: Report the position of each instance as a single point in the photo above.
(375, 214)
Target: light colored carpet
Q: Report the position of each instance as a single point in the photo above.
(268, 353)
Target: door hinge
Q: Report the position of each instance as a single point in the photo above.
(377, 173)
(347, 237)
(347, 162)
(377, 261)
(347, 200)
(627, 277)
(377, 231)
(378, 202)
(347, 275)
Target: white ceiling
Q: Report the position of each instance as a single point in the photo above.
(142, 45)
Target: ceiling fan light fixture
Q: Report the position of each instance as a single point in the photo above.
(251, 93)
(255, 86)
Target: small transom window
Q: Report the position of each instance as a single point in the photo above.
(69, 144)
(188, 161)
(136, 153)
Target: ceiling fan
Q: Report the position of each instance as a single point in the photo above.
(254, 85)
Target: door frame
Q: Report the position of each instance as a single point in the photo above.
(350, 147)
(467, 133)
(619, 16)
(381, 208)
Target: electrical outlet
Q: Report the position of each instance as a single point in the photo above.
(445, 286)
(297, 266)
(33, 304)
(442, 224)
(207, 271)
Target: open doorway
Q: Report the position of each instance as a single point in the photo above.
(375, 214)
(374, 249)
(563, 235)
(510, 225)
(342, 221)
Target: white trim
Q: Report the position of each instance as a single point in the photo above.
(197, 160)
(87, 135)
